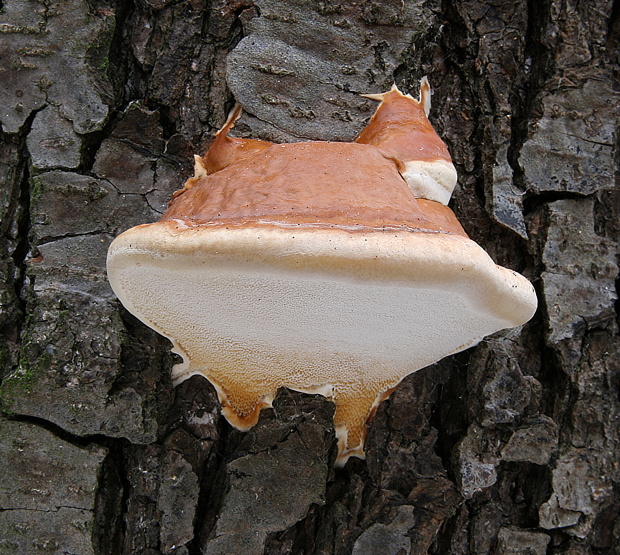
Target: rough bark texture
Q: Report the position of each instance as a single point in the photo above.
(509, 447)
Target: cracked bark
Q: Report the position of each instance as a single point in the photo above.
(510, 447)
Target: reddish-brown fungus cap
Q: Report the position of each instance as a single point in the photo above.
(345, 185)
(311, 266)
(401, 130)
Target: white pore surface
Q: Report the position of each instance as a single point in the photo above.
(300, 329)
(431, 180)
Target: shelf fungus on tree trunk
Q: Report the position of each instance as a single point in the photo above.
(324, 267)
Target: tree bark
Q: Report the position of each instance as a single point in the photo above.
(509, 447)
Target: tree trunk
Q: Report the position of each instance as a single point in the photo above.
(509, 447)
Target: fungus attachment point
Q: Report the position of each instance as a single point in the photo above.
(313, 266)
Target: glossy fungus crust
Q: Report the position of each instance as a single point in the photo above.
(317, 266)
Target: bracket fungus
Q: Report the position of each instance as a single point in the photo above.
(324, 267)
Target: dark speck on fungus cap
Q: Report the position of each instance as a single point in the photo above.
(330, 268)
